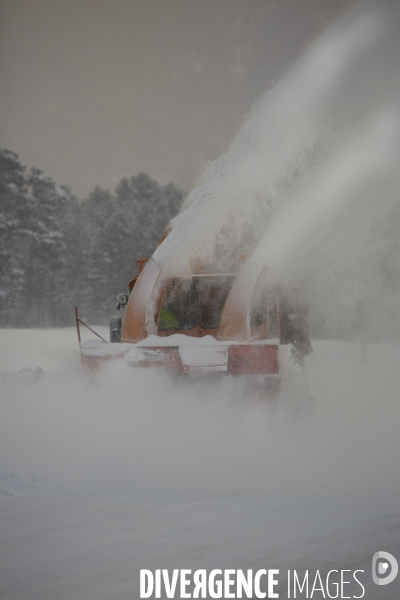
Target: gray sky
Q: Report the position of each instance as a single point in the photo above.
(94, 90)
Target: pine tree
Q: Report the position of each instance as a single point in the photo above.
(14, 202)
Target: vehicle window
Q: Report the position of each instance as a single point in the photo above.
(263, 313)
(212, 293)
(178, 311)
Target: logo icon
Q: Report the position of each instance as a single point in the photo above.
(384, 568)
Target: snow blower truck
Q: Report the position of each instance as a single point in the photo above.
(204, 322)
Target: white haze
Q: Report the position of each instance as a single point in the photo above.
(129, 468)
(103, 475)
(129, 430)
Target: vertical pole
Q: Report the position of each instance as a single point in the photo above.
(77, 325)
(278, 319)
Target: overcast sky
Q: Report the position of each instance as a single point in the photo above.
(94, 90)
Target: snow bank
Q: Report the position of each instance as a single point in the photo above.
(13, 484)
(24, 376)
(179, 339)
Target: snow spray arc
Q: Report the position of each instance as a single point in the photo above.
(311, 178)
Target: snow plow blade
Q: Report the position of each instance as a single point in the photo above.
(237, 359)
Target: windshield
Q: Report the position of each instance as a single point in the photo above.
(178, 307)
(212, 293)
(194, 300)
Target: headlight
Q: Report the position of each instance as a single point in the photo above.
(186, 286)
(122, 299)
(200, 286)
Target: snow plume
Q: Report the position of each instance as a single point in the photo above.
(313, 173)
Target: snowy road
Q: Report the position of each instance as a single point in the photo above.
(123, 471)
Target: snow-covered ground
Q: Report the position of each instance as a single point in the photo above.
(102, 475)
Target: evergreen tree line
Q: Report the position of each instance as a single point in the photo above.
(57, 252)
